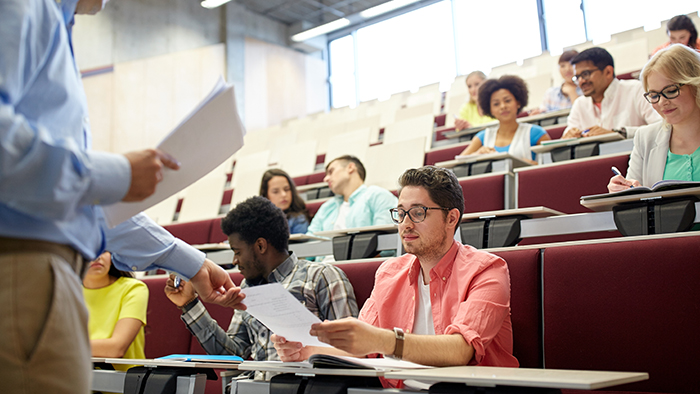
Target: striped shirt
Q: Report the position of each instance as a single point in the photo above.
(322, 288)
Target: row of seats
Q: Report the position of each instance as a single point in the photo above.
(558, 186)
(629, 305)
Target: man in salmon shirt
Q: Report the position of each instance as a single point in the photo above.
(440, 304)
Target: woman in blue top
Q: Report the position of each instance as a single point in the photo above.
(279, 188)
(669, 149)
(503, 99)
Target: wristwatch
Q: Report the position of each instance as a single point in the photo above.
(398, 350)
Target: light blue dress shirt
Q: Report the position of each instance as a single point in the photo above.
(50, 180)
(369, 205)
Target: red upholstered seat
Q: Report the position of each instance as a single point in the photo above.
(556, 132)
(301, 180)
(194, 233)
(446, 154)
(228, 194)
(483, 193)
(216, 235)
(440, 134)
(361, 275)
(165, 332)
(314, 206)
(316, 178)
(625, 306)
(526, 315)
(560, 186)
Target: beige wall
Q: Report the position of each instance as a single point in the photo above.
(140, 102)
(281, 83)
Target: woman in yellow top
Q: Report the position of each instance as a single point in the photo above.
(470, 115)
(117, 306)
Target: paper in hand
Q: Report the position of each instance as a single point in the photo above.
(201, 142)
(283, 314)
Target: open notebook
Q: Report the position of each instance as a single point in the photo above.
(340, 362)
(659, 186)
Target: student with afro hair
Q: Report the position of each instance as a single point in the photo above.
(503, 99)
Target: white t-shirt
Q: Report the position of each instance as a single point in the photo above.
(423, 324)
(342, 214)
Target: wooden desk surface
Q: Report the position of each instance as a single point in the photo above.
(388, 228)
(517, 161)
(532, 212)
(554, 144)
(524, 377)
(272, 366)
(165, 363)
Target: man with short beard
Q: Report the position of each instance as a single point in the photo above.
(440, 304)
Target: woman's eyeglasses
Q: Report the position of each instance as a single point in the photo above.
(669, 92)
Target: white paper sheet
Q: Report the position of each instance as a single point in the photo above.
(201, 142)
(283, 314)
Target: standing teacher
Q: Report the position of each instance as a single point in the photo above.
(51, 187)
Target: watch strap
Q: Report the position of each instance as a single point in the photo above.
(400, 336)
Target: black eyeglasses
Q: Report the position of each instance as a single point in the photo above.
(584, 75)
(670, 92)
(416, 214)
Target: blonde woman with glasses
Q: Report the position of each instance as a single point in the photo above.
(669, 149)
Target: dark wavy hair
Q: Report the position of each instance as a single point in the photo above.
(351, 159)
(512, 83)
(257, 217)
(297, 207)
(598, 56)
(442, 186)
(682, 22)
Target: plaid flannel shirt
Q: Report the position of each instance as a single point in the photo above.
(322, 288)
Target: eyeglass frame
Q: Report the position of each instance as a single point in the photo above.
(407, 212)
(661, 93)
(586, 74)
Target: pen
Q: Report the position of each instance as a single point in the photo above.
(585, 131)
(617, 172)
(177, 281)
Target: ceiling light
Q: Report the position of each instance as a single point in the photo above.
(320, 30)
(384, 8)
(213, 3)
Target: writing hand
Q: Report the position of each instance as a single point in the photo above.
(619, 183)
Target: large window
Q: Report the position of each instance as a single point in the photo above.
(563, 24)
(495, 32)
(455, 37)
(605, 17)
(406, 52)
(342, 71)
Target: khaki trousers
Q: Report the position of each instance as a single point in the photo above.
(44, 344)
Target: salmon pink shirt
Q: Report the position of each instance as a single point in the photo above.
(469, 295)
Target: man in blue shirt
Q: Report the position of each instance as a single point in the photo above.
(354, 204)
(51, 187)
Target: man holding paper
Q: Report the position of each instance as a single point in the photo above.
(51, 189)
(441, 304)
(258, 235)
